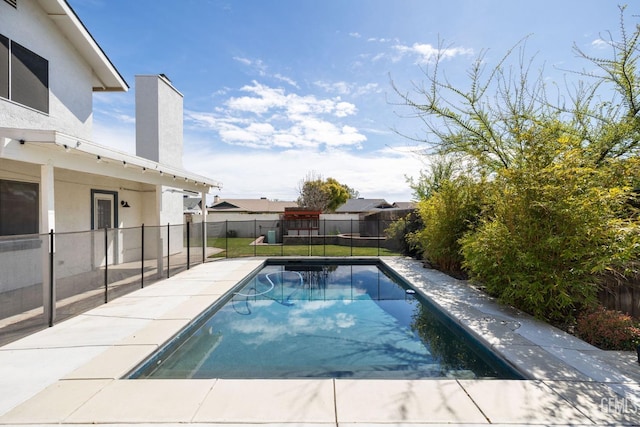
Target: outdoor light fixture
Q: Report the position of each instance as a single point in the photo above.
(144, 170)
(99, 159)
(66, 148)
(124, 204)
(124, 163)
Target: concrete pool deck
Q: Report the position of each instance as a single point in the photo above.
(70, 374)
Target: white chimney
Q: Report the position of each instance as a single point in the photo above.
(159, 120)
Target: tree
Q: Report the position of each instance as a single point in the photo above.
(323, 195)
(558, 178)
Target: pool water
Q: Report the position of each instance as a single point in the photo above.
(323, 321)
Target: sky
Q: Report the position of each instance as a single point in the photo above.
(278, 90)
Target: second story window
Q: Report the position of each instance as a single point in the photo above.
(24, 75)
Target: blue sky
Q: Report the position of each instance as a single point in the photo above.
(276, 89)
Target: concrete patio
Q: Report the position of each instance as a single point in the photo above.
(71, 373)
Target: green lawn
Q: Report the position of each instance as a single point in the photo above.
(241, 247)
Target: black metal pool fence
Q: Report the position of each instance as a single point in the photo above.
(46, 278)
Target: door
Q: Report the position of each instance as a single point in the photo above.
(103, 209)
(104, 215)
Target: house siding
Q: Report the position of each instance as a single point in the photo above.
(70, 77)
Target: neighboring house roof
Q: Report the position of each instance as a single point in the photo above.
(251, 206)
(362, 205)
(191, 204)
(404, 205)
(106, 76)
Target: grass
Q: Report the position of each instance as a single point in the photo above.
(241, 247)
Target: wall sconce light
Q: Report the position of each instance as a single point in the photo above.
(124, 204)
(66, 148)
(144, 170)
(161, 173)
(99, 159)
(124, 163)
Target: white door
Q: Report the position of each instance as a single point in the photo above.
(103, 217)
(103, 211)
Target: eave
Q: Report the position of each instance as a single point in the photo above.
(64, 151)
(106, 76)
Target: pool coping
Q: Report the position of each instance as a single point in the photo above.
(70, 374)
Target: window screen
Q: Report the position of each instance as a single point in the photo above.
(18, 208)
(4, 66)
(29, 78)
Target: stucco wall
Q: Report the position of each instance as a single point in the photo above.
(70, 78)
(159, 120)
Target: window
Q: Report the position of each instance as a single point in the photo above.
(4, 66)
(104, 212)
(19, 204)
(24, 75)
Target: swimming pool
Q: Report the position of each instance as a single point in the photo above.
(323, 320)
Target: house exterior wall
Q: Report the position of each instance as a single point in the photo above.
(73, 220)
(70, 77)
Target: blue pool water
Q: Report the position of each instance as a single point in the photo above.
(323, 321)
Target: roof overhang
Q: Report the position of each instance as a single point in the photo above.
(64, 151)
(106, 76)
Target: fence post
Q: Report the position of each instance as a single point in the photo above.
(324, 238)
(188, 250)
(142, 257)
(106, 265)
(51, 276)
(351, 236)
(378, 239)
(204, 239)
(168, 250)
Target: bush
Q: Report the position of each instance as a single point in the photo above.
(447, 215)
(399, 231)
(555, 227)
(608, 329)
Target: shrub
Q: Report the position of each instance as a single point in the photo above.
(555, 225)
(608, 329)
(399, 234)
(447, 215)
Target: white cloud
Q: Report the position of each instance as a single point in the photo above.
(355, 35)
(276, 175)
(426, 53)
(286, 80)
(257, 64)
(345, 88)
(600, 44)
(342, 88)
(380, 40)
(245, 61)
(271, 117)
